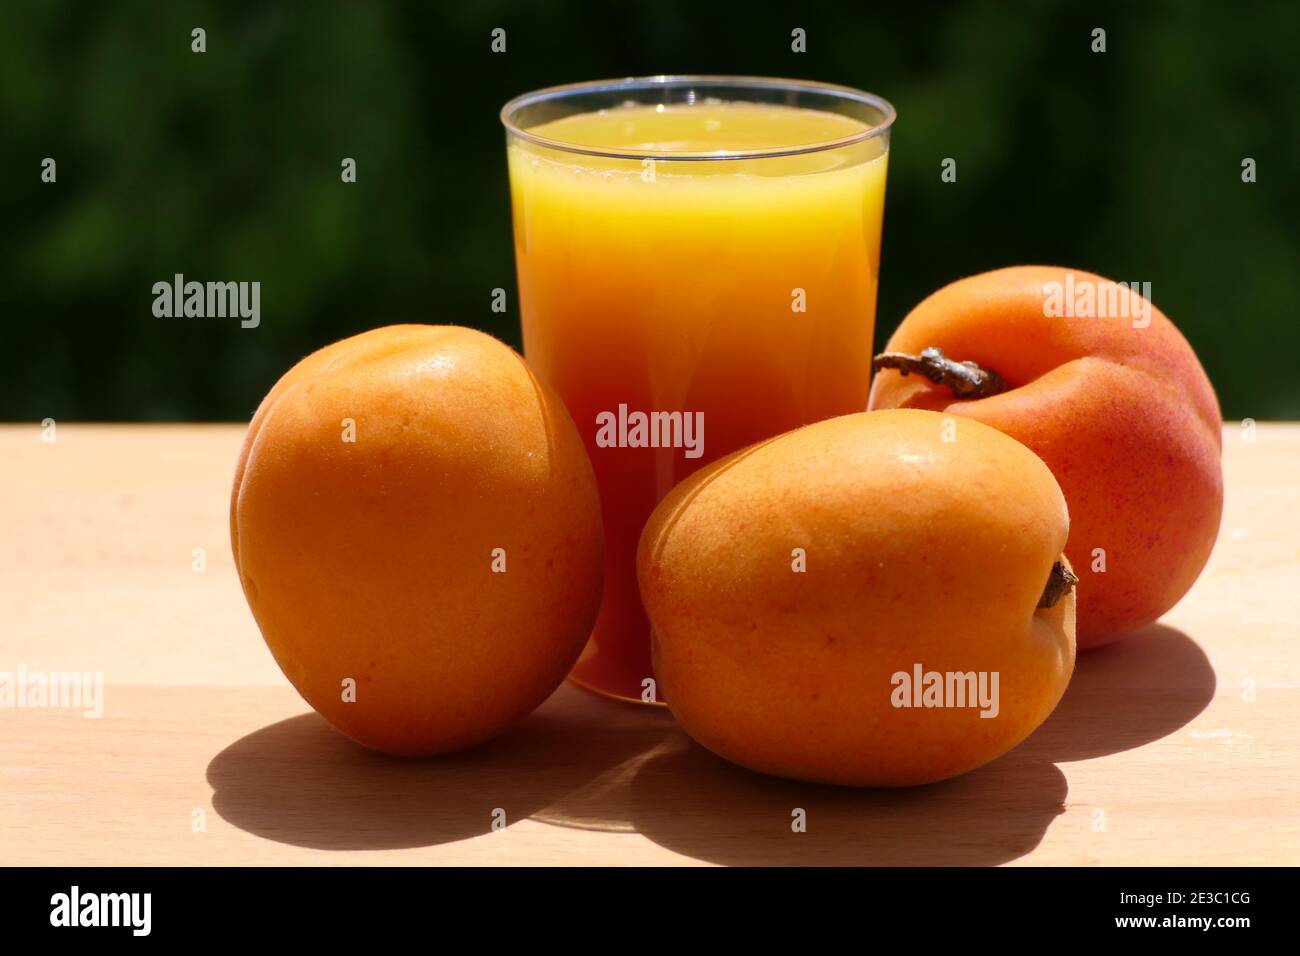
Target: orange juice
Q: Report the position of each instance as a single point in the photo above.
(692, 279)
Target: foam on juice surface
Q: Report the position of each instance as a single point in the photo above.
(710, 126)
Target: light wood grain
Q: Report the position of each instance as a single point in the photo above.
(1159, 739)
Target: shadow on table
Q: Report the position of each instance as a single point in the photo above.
(585, 762)
(1125, 695)
(299, 781)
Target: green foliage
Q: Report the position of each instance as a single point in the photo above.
(225, 165)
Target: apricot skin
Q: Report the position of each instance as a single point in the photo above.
(918, 550)
(373, 560)
(1125, 418)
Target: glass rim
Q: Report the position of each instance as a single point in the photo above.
(668, 80)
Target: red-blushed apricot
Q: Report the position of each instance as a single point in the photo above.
(803, 591)
(1104, 388)
(416, 526)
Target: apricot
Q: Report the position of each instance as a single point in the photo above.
(1104, 388)
(416, 526)
(803, 593)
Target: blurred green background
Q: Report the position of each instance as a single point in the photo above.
(225, 166)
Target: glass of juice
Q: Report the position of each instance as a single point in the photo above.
(698, 259)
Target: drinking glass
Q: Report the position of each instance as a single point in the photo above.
(698, 259)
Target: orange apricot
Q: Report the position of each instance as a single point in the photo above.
(876, 600)
(416, 526)
(1104, 388)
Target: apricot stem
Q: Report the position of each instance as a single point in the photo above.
(966, 379)
(1059, 582)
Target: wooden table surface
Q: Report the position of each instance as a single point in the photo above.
(1181, 746)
